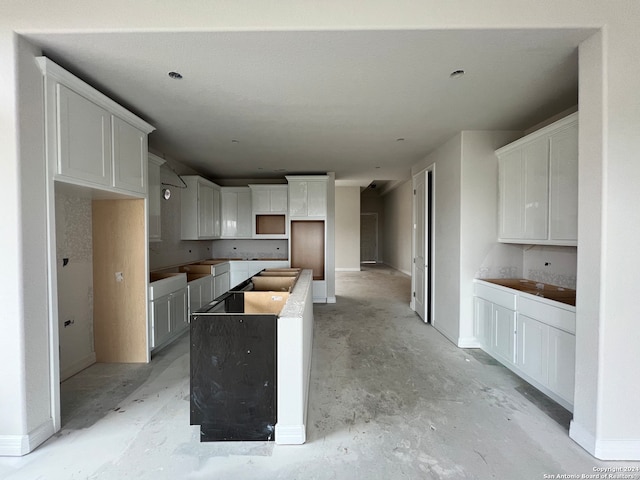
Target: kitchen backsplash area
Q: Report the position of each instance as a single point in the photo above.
(250, 248)
(502, 261)
(550, 264)
(542, 263)
(172, 250)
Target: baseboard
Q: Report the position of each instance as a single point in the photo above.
(468, 342)
(19, 445)
(77, 366)
(290, 434)
(621, 450)
(348, 269)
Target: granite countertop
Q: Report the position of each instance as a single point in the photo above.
(539, 289)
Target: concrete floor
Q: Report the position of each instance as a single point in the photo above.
(390, 398)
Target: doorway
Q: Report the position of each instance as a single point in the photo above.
(423, 213)
(368, 238)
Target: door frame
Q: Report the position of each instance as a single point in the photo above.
(430, 174)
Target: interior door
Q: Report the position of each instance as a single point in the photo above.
(369, 237)
(420, 260)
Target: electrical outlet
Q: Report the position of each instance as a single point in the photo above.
(71, 321)
(119, 277)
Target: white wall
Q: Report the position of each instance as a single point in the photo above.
(74, 242)
(396, 233)
(446, 160)
(549, 264)
(604, 421)
(347, 228)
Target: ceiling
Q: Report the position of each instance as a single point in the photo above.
(366, 105)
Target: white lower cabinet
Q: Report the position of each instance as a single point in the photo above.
(201, 292)
(534, 348)
(169, 317)
(503, 333)
(562, 363)
(482, 318)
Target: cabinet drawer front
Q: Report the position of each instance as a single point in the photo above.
(555, 316)
(495, 295)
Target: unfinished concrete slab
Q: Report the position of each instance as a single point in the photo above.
(390, 398)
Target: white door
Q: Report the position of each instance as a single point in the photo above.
(420, 265)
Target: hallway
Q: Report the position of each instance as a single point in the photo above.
(390, 398)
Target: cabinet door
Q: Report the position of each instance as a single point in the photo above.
(279, 199)
(208, 290)
(154, 204)
(536, 189)
(160, 320)
(179, 310)
(195, 295)
(217, 228)
(229, 210)
(205, 211)
(511, 195)
(563, 184)
(222, 284)
(261, 199)
(503, 334)
(84, 138)
(244, 214)
(298, 198)
(129, 157)
(317, 199)
(562, 363)
(483, 313)
(533, 348)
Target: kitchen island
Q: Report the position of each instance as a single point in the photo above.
(250, 371)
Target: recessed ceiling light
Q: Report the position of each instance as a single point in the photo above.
(377, 167)
(400, 139)
(456, 74)
(235, 141)
(175, 75)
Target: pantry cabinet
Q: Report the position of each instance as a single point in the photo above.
(235, 212)
(538, 186)
(92, 141)
(200, 209)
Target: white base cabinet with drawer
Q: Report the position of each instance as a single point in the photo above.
(532, 337)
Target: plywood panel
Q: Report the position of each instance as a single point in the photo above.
(270, 224)
(264, 302)
(307, 246)
(120, 314)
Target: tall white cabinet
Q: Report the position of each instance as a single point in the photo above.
(538, 186)
(308, 237)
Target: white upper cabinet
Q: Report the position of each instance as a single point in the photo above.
(129, 157)
(236, 212)
(91, 140)
(269, 205)
(200, 209)
(155, 192)
(563, 184)
(269, 198)
(307, 196)
(84, 138)
(538, 186)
